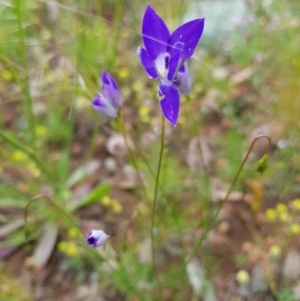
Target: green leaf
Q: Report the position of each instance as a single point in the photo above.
(95, 195)
(62, 167)
(46, 245)
(82, 172)
(18, 239)
(15, 144)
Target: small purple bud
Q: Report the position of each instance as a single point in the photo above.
(109, 101)
(96, 238)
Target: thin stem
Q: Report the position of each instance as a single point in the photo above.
(196, 134)
(130, 152)
(233, 182)
(154, 204)
(136, 147)
(52, 204)
(28, 109)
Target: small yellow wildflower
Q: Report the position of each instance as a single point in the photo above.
(19, 156)
(116, 206)
(242, 277)
(73, 233)
(6, 75)
(284, 217)
(271, 215)
(295, 228)
(62, 246)
(138, 86)
(40, 131)
(275, 251)
(144, 113)
(123, 72)
(296, 204)
(282, 207)
(33, 169)
(106, 201)
(72, 249)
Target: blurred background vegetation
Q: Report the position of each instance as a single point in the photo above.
(246, 83)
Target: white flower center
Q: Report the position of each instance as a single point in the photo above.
(162, 64)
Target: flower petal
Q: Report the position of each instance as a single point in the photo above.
(155, 33)
(102, 105)
(173, 63)
(170, 101)
(187, 36)
(108, 80)
(112, 95)
(147, 62)
(183, 80)
(111, 90)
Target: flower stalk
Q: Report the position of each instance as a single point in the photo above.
(233, 182)
(155, 196)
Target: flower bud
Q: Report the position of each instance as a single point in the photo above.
(96, 238)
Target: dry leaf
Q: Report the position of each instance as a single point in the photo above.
(46, 245)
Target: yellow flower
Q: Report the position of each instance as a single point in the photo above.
(72, 249)
(144, 113)
(271, 215)
(19, 156)
(296, 204)
(275, 251)
(62, 246)
(7, 75)
(284, 217)
(73, 233)
(40, 131)
(116, 206)
(106, 201)
(138, 86)
(242, 277)
(282, 207)
(123, 72)
(33, 169)
(295, 228)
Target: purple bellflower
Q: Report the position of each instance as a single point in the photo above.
(96, 238)
(164, 57)
(109, 101)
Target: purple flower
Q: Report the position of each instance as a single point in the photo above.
(109, 101)
(96, 238)
(164, 56)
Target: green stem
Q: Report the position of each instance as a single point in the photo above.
(154, 204)
(136, 146)
(25, 86)
(52, 204)
(130, 152)
(196, 134)
(115, 38)
(233, 182)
